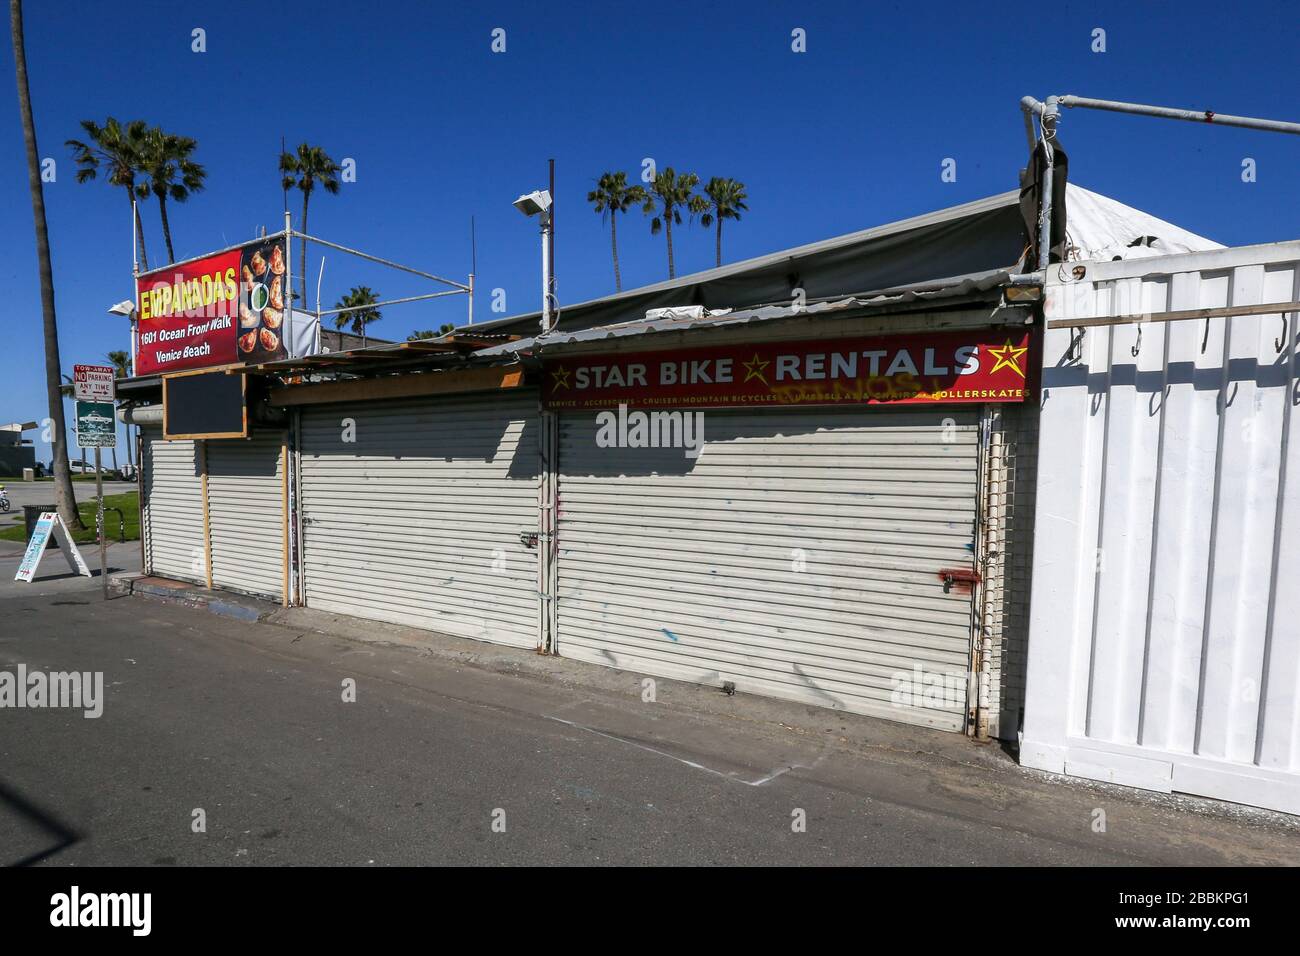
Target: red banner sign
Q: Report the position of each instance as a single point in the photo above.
(219, 310)
(929, 368)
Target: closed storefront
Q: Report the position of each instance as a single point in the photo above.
(823, 555)
(220, 502)
(424, 512)
(172, 510)
(247, 500)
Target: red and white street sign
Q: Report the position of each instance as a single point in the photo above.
(94, 383)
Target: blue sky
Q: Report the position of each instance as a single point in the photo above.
(850, 134)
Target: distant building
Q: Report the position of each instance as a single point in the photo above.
(16, 452)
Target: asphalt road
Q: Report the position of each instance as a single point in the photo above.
(247, 723)
(42, 493)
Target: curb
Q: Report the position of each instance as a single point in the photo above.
(248, 610)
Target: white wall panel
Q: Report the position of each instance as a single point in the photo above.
(1163, 638)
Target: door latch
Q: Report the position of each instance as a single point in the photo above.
(528, 539)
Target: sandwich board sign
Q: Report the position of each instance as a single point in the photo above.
(45, 528)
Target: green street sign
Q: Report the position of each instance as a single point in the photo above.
(96, 425)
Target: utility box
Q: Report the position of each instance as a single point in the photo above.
(29, 474)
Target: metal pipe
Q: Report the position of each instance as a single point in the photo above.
(382, 262)
(546, 272)
(1029, 125)
(1193, 116)
(140, 414)
(207, 255)
(375, 305)
(471, 299)
(288, 268)
(1047, 123)
(320, 277)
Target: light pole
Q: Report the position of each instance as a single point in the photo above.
(538, 203)
(127, 308)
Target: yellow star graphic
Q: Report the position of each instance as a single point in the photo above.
(1008, 357)
(559, 378)
(755, 367)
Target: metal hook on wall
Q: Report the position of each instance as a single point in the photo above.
(1205, 339)
(1137, 345)
(1280, 341)
(1075, 352)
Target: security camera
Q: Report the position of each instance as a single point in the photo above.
(530, 204)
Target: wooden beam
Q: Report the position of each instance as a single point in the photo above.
(202, 447)
(1268, 308)
(400, 386)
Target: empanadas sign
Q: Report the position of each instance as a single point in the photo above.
(218, 310)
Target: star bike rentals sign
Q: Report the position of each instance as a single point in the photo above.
(221, 309)
(923, 369)
(46, 527)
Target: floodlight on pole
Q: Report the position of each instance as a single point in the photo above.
(538, 203)
(126, 308)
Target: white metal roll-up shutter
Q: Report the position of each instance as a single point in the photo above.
(418, 520)
(802, 555)
(173, 508)
(246, 513)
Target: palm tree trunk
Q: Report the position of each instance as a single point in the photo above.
(302, 253)
(64, 498)
(719, 242)
(139, 226)
(167, 229)
(668, 227)
(613, 240)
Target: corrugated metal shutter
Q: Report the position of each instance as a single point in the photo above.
(246, 513)
(173, 508)
(418, 520)
(690, 569)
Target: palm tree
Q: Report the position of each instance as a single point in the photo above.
(724, 199)
(310, 165)
(668, 195)
(358, 299)
(612, 196)
(116, 150)
(64, 498)
(170, 173)
(121, 362)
